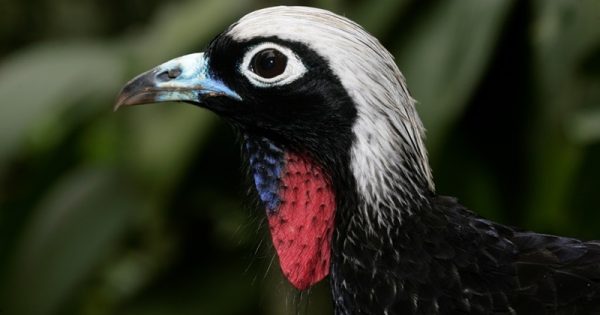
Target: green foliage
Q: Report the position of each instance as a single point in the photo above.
(140, 211)
(447, 54)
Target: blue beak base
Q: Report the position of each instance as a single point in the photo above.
(183, 79)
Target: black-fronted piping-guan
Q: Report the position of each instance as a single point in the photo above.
(335, 149)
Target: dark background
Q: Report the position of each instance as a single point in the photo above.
(142, 211)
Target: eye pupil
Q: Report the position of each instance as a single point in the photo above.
(269, 63)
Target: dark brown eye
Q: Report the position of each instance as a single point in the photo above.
(269, 63)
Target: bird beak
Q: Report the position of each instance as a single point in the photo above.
(183, 79)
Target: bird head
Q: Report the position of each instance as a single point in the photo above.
(330, 130)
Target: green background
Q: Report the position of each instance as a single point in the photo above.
(143, 211)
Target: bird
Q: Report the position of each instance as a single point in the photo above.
(336, 157)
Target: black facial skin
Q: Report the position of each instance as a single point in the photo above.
(312, 115)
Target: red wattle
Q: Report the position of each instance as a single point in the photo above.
(302, 226)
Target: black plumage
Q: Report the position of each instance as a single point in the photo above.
(397, 246)
(448, 260)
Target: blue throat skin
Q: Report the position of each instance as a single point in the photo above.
(266, 165)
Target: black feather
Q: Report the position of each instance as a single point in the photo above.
(447, 260)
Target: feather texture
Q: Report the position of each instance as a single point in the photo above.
(447, 260)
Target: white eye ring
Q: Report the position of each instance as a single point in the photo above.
(293, 70)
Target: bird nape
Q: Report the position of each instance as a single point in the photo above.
(335, 149)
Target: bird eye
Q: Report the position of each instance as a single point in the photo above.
(268, 63)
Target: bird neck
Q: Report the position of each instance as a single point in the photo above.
(303, 196)
(377, 248)
(388, 159)
(388, 192)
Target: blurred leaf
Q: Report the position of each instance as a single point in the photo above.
(331, 5)
(161, 141)
(39, 84)
(72, 231)
(444, 57)
(563, 35)
(184, 28)
(215, 292)
(377, 16)
(584, 126)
